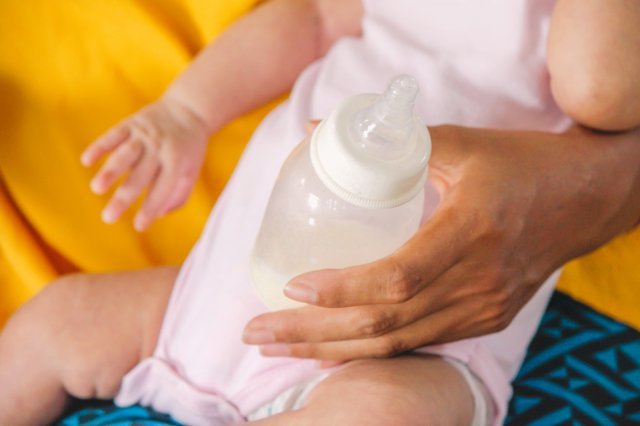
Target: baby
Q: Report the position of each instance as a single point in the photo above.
(172, 340)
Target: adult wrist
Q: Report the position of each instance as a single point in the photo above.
(616, 157)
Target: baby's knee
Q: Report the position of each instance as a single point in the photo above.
(377, 392)
(54, 303)
(49, 329)
(28, 340)
(38, 320)
(87, 368)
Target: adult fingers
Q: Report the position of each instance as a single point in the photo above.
(141, 176)
(104, 144)
(414, 335)
(161, 191)
(436, 247)
(317, 324)
(124, 157)
(310, 126)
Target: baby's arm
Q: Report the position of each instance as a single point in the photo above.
(258, 58)
(594, 61)
(262, 55)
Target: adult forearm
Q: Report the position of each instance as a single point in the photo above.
(514, 206)
(618, 157)
(591, 176)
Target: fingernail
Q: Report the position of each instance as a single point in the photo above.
(301, 293)
(96, 187)
(140, 223)
(328, 364)
(278, 349)
(258, 337)
(108, 216)
(309, 126)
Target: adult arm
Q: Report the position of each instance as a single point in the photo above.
(515, 206)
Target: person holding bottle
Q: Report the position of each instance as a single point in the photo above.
(513, 206)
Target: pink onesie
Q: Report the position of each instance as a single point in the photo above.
(479, 63)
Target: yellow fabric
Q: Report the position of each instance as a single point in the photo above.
(609, 279)
(69, 71)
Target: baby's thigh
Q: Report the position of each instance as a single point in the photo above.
(407, 390)
(91, 329)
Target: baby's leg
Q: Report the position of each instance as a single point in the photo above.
(408, 390)
(79, 337)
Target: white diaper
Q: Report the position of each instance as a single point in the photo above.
(295, 397)
(291, 399)
(482, 406)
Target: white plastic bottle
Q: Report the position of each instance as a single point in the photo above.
(350, 194)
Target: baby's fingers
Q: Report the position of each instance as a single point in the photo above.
(104, 144)
(179, 195)
(141, 176)
(159, 194)
(123, 159)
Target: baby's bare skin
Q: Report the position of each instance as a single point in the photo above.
(78, 337)
(82, 334)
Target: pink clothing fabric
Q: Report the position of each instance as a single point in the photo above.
(479, 63)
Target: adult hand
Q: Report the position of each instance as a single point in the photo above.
(161, 147)
(514, 207)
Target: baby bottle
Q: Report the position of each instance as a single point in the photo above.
(350, 194)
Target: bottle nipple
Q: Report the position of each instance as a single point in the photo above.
(384, 127)
(372, 150)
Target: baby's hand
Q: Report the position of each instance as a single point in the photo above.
(161, 147)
